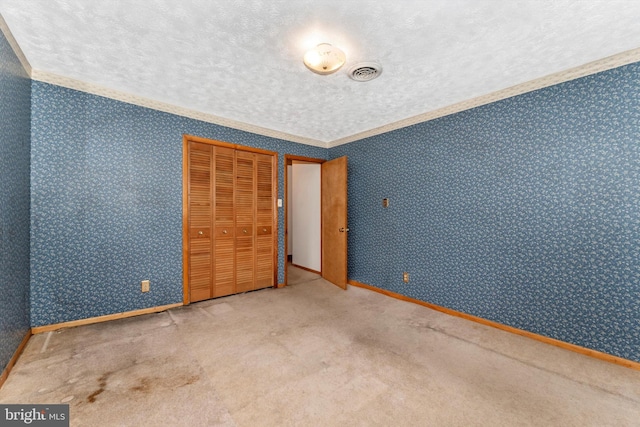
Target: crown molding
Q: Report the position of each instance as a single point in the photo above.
(610, 62)
(613, 61)
(14, 45)
(70, 83)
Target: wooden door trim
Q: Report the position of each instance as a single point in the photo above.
(274, 226)
(288, 160)
(229, 145)
(185, 204)
(185, 220)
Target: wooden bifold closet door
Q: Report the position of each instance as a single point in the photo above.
(230, 218)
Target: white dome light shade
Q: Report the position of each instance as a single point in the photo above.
(324, 59)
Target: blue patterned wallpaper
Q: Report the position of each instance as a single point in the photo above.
(107, 202)
(15, 113)
(525, 211)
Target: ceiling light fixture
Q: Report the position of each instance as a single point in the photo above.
(324, 59)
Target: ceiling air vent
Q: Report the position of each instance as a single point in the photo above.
(365, 71)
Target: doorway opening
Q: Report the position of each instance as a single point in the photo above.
(303, 226)
(316, 217)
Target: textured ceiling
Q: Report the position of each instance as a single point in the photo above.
(242, 60)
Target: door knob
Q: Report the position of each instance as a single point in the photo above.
(200, 232)
(224, 231)
(244, 231)
(342, 230)
(264, 230)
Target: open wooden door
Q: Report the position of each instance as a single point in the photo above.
(334, 221)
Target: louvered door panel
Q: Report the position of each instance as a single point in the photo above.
(265, 196)
(245, 219)
(224, 245)
(200, 262)
(231, 228)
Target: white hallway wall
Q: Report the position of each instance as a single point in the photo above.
(305, 202)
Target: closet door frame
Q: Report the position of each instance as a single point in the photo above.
(185, 204)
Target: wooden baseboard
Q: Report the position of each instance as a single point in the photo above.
(14, 359)
(280, 285)
(306, 269)
(552, 341)
(105, 318)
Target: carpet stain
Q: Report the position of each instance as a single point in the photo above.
(102, 383)
(191, 380)
(144, 386)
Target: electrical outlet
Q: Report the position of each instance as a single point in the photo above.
(145, 284)
(405, 277)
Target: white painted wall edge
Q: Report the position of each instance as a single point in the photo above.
(306, 215)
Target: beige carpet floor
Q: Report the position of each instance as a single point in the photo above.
(311, 354)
